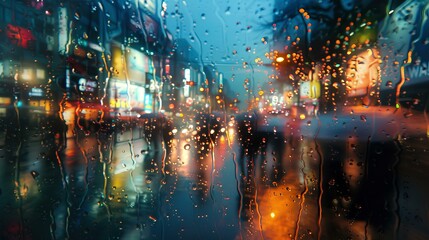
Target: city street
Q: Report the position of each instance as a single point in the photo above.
(347, 175)
(217, 119)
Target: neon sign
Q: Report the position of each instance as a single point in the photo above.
(20, 36)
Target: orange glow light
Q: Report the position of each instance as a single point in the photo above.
(280, 59)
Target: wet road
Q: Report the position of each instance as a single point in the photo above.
(260, 178)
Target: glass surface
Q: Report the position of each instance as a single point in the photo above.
(222, 119)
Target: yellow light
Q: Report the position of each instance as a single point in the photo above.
(273, 215)
(302, 116)
(280, 59)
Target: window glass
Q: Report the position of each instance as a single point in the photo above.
(226, 119)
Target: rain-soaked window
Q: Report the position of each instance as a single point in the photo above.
(222, 119)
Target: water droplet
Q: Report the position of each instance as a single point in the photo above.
(152, 218)
(408, 114)
(145, 151)
(378, 150)
(187, 146)
(227, 11)
(389, 84)
(34, 174)
(203, 16)
(363, 118)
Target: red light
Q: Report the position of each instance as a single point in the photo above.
(167, 69)
(19, 35)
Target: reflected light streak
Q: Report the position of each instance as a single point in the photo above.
(231, 134)
(402, 79)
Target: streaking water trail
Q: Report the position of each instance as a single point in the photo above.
(321, 165)
(130, 144)
(109, 213)
(66, 190)
(388, 6)
(366, 174)
(85, 179)
(104, 179)
(52, 225)
(224, 40)
(396, 188)
(106, 67)
(259, 212)
(161, 185)
(301, 206)
(238, 185)
(106, 85)
(212, 172)
(17, 189)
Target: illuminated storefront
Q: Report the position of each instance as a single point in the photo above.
(363, 76)
(126, 89)
(125, 96)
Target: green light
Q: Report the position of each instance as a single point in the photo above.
(397, 105)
